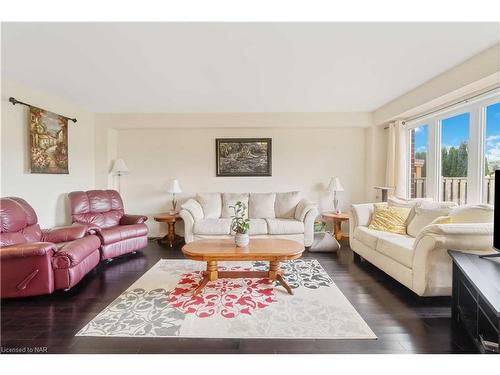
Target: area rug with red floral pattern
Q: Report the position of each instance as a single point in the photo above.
(161, 304)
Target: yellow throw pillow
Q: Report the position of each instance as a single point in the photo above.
(442, 220)
(389, 219)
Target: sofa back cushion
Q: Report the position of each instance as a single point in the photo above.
(103, 208)
(480, 213)
(230, 199)
(424, 213)
(286, 203)
(389, 219)
(211, 204)
(261, 205)
(19, 222)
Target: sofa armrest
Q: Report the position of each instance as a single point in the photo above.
(68, 233)
(193, 207)
(188, 220)
(303, 207)
(470, 238)
(132, 219)
(76, 251)
(360, 216)
(25, 250)
(307, 212)
(469, 229)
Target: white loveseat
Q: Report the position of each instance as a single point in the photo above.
(283, 215)
(419, 260)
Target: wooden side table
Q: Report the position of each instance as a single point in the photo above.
(171, 238)
(337, 223)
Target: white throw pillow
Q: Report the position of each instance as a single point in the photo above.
(425, 213)
(286, 203)
(481, 213)
(261, 205)
(406, 203)
(230, 199)
(211, 203)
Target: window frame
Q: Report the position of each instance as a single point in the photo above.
(476, 148)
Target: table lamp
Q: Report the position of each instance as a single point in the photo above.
(119, 169)
(174, 188)
(335, 186)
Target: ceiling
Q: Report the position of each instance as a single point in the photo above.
(235, 67)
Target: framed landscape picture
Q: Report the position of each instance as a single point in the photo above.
(48, 142)
(239, 157)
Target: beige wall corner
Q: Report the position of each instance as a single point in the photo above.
(47, 193)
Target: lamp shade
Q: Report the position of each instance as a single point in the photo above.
(335, 185)
(174, 187)
(119, 167)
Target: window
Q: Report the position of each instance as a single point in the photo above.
(491, 151)
(454, 158)
(453, 154)
(419, 146)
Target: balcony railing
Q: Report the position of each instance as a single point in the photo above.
(455, 189)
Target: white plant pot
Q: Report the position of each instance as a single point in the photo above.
(241, 239)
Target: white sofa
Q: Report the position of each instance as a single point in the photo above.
(419, 260)
(282, 215)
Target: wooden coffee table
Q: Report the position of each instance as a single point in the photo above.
(272, 250)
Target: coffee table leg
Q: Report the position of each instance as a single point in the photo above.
(284, 283)
(275, 274)
(210, 274)
(200, 287)
(273, 269)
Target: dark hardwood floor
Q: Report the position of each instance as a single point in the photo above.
(403, 322)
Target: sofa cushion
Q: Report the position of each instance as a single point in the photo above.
(230, 199)
(122, 232)
(285, 226)
(425, 213)
(286, 203)
(367, 236)
(257, 227)
(261, 205)
(211, 204)
(481, 213)
(212, 226)
(397, 247)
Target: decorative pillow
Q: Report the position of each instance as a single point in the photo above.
(481, 213)
(425, 213)
(261, 205)
(389, 219)
(211, 203)
(286, 203)
(230, 199)
(194, 209)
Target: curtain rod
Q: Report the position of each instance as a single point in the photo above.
(466, 100)
(14, 101)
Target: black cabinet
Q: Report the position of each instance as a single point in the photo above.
(476, 299)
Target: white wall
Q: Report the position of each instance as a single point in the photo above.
(304, 158)
(45, 192)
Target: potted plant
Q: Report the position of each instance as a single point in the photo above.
(240, 224)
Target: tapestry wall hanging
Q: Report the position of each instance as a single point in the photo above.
(243, 156)
(48, 142)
